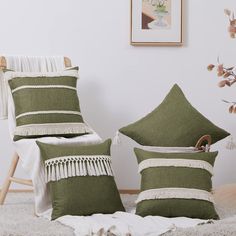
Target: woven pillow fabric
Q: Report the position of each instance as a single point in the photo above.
(176, 184)
(174, 123)
(80, 179)
(46, 104)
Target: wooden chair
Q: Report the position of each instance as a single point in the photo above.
(15, 159)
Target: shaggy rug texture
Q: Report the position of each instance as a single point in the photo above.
(17, 219)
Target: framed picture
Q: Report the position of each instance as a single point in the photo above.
(156, 22)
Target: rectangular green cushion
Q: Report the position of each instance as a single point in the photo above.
(47, 106)
(187, 173)
(77, 194)
(174, 123)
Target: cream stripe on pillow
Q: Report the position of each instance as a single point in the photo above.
(48, 112)
(162, 162)
(42, 86)
(171, 193)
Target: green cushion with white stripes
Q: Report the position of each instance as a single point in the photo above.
(80, 179)
(176, 184)
(47, 105)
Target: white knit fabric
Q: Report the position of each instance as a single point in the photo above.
(26, 64)
(164, 162)
(182, 193)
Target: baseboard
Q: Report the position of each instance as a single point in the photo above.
(122, 191)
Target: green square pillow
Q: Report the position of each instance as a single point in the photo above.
(176, 184)
(46, 104)
(174, 123)
(80, 179)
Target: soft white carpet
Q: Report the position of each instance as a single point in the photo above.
(17, 219)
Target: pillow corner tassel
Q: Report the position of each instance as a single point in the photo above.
(230, 145)
(117, 140)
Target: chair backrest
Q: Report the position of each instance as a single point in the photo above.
(3, 62)
(27, 64)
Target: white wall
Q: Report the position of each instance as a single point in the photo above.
(120, 83)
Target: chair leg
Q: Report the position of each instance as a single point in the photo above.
(7, 181)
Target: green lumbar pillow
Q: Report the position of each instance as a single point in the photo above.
(46, 104)
(174, 123)
(80, 179)
(176, 184)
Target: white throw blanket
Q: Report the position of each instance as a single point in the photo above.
(125, 224)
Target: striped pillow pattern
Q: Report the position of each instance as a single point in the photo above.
(46, 105)
(176, 184)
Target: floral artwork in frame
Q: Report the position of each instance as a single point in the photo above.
(156, 22)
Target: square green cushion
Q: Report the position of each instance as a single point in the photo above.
(80, 179)
(176, 184)
(47, 105)
(174, 123)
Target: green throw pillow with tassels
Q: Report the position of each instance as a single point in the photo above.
(174, 123)
(46, 104)
(176, 184)
(80, 179)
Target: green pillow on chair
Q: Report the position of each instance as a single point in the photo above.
(46, 104)
(174, 123)
(80, 178)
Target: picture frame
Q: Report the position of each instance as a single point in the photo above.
(156, 23)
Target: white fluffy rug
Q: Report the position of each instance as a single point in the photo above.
(17, 219)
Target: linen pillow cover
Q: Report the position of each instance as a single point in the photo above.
(80, 179)
(46, 104)
(176, 184)
(174, 123)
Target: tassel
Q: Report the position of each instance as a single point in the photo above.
(62, 171)
(69, 170)
(57, 172)
(84, 168)
(116, 140)
(65, 170)
(73, 168)
(77, 172)
(53, 176)
(230, 144)
(97, 172)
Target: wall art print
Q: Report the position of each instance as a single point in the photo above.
(156, 22)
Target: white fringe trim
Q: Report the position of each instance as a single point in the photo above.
(164, 162)
(52, 128)
(48, 112)
(70, 166)
(171, 149)
(181, 193)
(43, 87)
(71, 73)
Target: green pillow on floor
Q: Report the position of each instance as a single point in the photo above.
(176, 184)
(80, 178)
(174, 123)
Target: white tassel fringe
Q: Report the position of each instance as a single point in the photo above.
(181, 193)
(70, 166)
